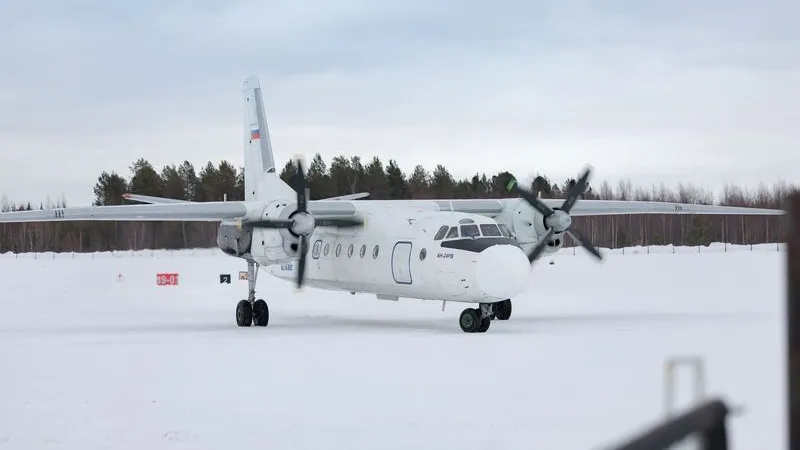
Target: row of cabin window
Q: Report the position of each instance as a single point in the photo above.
(485, 229)
(362, 252)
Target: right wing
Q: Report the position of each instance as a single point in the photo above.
(493, 207)
(613, 207)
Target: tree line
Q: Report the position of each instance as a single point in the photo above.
(348, 175)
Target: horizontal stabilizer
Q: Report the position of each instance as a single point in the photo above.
(349, 196)
(152, 200)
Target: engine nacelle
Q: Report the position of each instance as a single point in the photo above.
(283, 209)
(528, 226)
(234, 240)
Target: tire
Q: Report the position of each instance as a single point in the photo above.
(260, 313)
(244, 314)
(470, 320)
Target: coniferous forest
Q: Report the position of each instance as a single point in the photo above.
(385, 180)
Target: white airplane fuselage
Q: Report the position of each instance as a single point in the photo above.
(404, 251)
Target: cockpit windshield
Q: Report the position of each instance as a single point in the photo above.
(472, 230)
(490, 229)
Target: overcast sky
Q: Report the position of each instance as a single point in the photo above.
(700, 91)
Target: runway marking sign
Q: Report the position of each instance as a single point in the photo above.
(167, 279)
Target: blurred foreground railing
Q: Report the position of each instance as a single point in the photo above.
(707, 421)
(793, 322)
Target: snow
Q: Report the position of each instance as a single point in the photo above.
(93, 361)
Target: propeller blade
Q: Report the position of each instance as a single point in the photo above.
(301, 268)
(540, 246)
(585, 244)
(341, 223)
(301, 187)
(535, 202)
(275, 223)
(576, 190)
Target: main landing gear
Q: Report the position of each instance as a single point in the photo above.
(477, 320)
(252, 311)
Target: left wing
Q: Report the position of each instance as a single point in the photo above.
(243, 211)
(211, 211)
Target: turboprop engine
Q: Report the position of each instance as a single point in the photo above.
(540, 228)
(234, 239)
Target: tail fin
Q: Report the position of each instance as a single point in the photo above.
(261, 181)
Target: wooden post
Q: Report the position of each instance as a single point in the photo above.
(793, 321)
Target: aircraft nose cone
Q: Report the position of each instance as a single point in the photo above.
(502, 271)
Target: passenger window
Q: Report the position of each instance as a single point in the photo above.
(375, 252)
(350, 251)
(315, 251)
(363, 251)
(453, 233)
(440, 234)
(490, 229)
(338, 250)
(506, 232)
(470, 231)
(326, 249)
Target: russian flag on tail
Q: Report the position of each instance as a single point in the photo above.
(255, 134)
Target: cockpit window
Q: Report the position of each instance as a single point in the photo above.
(470, 231)
(506, 232)
(490, 229)
(440, 234)
(453, 233)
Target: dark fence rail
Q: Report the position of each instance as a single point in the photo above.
(706, 421)
(793, 322)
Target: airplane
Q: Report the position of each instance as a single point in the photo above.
(477, 252)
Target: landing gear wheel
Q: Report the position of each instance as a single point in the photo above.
(244, 314)
(502, 310)
(260, 313)
(470, 320)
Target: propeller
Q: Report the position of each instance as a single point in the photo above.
(301, 223)
(558, 220)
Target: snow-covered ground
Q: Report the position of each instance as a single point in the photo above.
(94, 360)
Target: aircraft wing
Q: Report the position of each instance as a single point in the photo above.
(612, 207)
(493, 207)
(212, 211)
(175, 212)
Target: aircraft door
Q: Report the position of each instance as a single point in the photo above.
(401, 262)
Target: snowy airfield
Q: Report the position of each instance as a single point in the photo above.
(92, 361)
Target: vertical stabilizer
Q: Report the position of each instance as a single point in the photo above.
(261, 180)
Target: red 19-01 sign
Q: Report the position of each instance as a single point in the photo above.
(167, 279)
